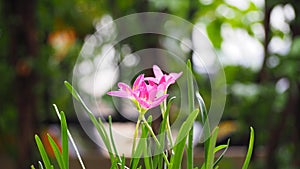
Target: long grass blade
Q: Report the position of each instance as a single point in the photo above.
(209, 164)
(96, 123)
(57, 153)
(176, 159)
(43, 153)
(223, 153)
(64, 138)
(250, 149)
(191, 106)
(112, 139)
(71, 139)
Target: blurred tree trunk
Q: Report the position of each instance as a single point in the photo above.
(22, 51)
(291, 109)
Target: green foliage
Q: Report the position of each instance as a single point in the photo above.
(143, 148)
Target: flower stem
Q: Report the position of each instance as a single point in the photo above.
(163, 108)
(151, 131)
(169, 132)
(135, 134)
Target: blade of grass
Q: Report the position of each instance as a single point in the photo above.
(71, 139)
(250, 149)
(43, 153)
(166, 121)
(181, 140)
(223, 153)
(64, 138)
(220, 147)
(187, 125)
(157, 159)
(96, 123)
(112, 139)
(123, 162)
(191, 106)
(206, 127)
(72, 90)
(105, 137)
(57, 153)
(147, 154)
(140, 147)
(32, 167)
(211, 155)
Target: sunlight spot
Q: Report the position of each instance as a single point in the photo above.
(239, 48)
(206, 2)
(241, 4)
(272, 61)
(245, 89)
(279, 45)
(289, 12)
(225, 11)
(282, 85)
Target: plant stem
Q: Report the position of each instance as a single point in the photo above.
(151, 131)
(163, 108)
(135, 134)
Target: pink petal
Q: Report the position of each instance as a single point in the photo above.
(143, 103)
(151, 80)
(152, 92)
(124, 86)
(139, 80)
(159, 100)
(157, 72)
(175, 76)
(119, 94)
(162, 80)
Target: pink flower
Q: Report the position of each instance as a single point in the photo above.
(162, 80)
(145, 96)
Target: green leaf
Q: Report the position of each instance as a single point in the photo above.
(220, 147)
(181, 139)
(32, 167)
(147, 154)
(250, 149)
(71, 139)
(72, 90)
(98, 124)
(142, 145)
(223, 153)
(203, 110)
(209, 162)
(112, 139)
(157, 159)
(186, 126)
(64, 138)
(175, 162)
(57, 153)
(205, 123)
(123, 162)
(191, 106)
(101, 130)
(43, 153)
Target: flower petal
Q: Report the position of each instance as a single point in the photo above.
(139, 80)
(124, 86)
(175, 76)
(159, 100)
(120, 94)
(157, 72)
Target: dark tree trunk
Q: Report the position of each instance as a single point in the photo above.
(23, 49)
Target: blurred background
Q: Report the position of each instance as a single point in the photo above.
(257, 42)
